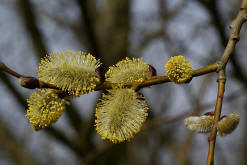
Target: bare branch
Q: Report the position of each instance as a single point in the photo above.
(4, 68)
(234, 38)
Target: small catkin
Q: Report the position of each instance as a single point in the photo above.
(228, 124)
(74, 72)
(120, 114)
(200, 124)
(178, 69)
(44, 108)
(128, 70)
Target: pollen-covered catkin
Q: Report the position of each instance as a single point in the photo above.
(120, 114)
(74, 72)
(200, 124)
(128, 70)
(178, 69)
(44, 108)
(228, 124)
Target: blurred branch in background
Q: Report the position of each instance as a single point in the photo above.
(29, 19)
(88, 19)
(165, 17)
(112, 28)
(14, 148)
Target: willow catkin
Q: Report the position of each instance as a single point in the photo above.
(178, 69)
(44, 108)
(74, 72)
(120, 114)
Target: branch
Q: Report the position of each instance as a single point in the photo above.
(4, 68)
(217, 113)
(32, 82)
(235, 30)
(166, 16)
(234, 38)
(211, 6)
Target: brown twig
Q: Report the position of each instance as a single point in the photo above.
(4, 68)
(217, 113)
(32, 82)
(234, 38)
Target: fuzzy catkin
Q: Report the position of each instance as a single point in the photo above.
(120, 114)
(178, 69)
(227, 125)
(74, 72)
(200, 124)
(128, 70)
(44, 108)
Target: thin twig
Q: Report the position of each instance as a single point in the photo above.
(32, 82)
(4, 68)
(234, 38)
(217, 113)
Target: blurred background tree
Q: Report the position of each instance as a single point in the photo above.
(112, 30)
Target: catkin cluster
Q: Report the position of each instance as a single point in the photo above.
(205, 123)
(121, 111)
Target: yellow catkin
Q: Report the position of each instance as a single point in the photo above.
(128, 70)
(178, 69)
(228, 124)
(44, 108)
(120, 114)
(200, 124)
(74, 72)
